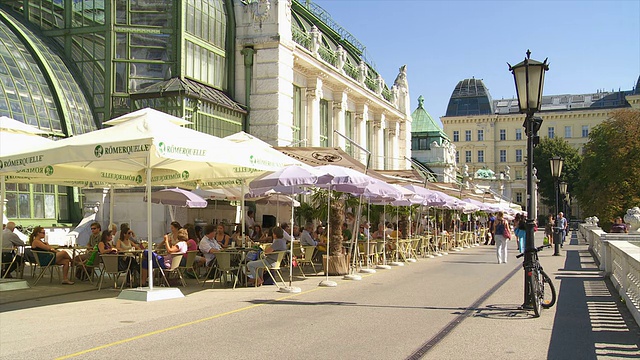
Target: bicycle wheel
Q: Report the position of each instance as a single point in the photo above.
(548, 291)
(534, 293)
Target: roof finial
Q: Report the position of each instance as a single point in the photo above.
(528, 54)
(420, 102)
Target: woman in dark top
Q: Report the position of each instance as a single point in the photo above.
(36, 240)
(221, 237)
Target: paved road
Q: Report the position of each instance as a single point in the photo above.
(459, 306)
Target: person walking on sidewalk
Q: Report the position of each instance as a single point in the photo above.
(561, 222)
(502, 236)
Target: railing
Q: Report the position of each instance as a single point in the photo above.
(351, 71)
(301, 37)
(328, 55)
(620, 261)
(371, 84)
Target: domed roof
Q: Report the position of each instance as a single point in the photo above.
(470, 97)
(37, 86)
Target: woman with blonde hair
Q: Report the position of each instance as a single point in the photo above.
(502, 236)
(36, 240)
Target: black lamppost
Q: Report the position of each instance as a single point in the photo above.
(556, 163)
(529, 78)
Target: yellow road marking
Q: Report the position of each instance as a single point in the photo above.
(141, 336)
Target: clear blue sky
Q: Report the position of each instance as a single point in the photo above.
(591, 45)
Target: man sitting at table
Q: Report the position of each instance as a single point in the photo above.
(279, 244)
(94, 239)
(209, 247)
(285, 228)
(9, 240)
(306, 239)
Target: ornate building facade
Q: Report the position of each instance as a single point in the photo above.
(489, 135)
(283, 71)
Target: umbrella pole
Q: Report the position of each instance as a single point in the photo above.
(396, 262)
(368, 270)
(242, 213)
(384, 240)
(2, 195)
(290, 288)
(327, 282)
(149, 230)
(112, 197)
(353, 245)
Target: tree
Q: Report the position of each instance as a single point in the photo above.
(609, 181)
(547, 149)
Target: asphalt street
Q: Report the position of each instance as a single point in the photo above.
(460, 306)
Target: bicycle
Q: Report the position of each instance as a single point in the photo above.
(542, 292)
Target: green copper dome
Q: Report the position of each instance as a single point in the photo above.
(424, 123)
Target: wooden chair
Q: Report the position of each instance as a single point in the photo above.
(45, 260)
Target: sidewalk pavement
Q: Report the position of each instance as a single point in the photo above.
(459, 306)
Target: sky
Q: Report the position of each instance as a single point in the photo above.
(591, 45)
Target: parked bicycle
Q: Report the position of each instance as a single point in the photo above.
(542, 293)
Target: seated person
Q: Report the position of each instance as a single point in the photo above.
(9, 241)
(163, 262)
(236, 237)
(379, 234)
(124, 242)
(279, 244)
(221, 237)
(285, 228)
(306, 238)
(36, 240)
(192, 245)
(209, 247)
(256, 235)
(346, 232)
(267, 236)
(94, 239)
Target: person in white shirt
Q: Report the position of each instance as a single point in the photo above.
(208, 245)
(285, 234)
(9, 241)
(250, 222)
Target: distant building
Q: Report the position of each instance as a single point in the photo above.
(488, 134)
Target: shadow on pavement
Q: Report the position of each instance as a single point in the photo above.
(590, 321)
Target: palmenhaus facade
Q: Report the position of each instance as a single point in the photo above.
(283, 71)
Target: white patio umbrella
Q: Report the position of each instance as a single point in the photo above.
(151, 145)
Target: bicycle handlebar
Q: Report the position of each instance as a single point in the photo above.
(538, 249)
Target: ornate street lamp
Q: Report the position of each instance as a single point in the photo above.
(556, 163)
(563, 188)
(529, 78)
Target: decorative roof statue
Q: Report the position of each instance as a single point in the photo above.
(401, 79)
(507, 174)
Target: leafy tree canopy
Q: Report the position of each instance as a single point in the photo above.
(609, 178)
(547, 149)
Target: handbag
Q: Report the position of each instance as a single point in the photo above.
(507, 231)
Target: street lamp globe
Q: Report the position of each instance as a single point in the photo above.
(556, 166)
(529, 78)
(563, 188)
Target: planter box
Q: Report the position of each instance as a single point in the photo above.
(338, 264)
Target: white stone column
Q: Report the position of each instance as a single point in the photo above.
(339, 108)
(312, 126)
(361, 119)
(377, 147)
(394, 148)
